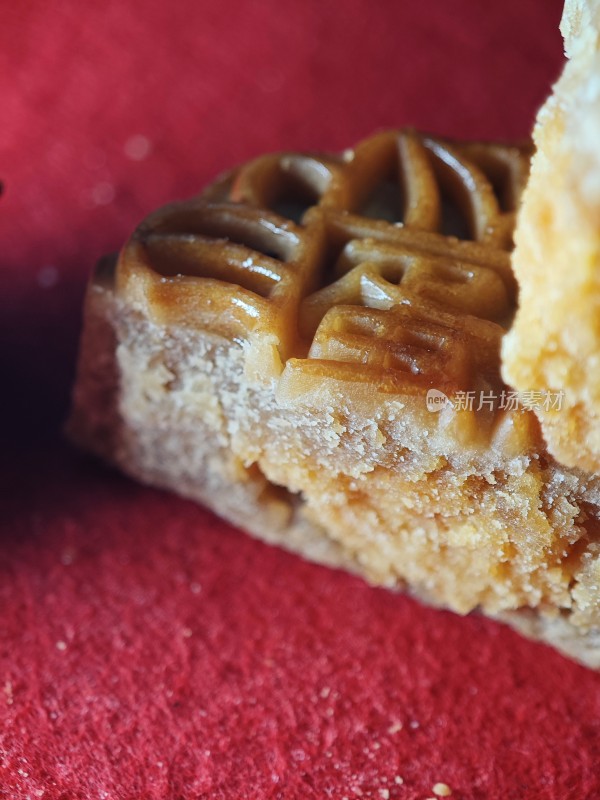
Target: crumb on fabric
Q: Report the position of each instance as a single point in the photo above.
(8, 691)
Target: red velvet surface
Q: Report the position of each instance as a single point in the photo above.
(148, 650)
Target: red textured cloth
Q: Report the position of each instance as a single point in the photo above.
(147, 649)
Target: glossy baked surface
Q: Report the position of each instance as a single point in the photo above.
(392, 258)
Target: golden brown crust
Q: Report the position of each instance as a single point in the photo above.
(346, 259)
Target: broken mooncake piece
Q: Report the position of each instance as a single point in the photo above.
(554, 344)
(312, 349)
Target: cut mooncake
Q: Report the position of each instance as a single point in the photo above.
(312, 348)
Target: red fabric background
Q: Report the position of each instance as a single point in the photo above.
(148, 650)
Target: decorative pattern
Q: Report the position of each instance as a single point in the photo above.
(393, 256)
